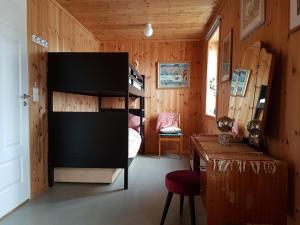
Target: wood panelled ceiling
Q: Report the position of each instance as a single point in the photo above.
(126, 19)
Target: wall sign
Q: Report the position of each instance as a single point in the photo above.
(40, 41)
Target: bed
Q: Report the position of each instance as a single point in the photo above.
(134, 142)
(88, 146)
(99, 175)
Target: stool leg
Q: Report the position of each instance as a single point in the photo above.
(192, 210)
(167, 205)
(181, 204)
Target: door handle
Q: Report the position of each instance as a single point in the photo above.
(25, 96)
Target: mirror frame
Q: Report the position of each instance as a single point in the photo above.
(260, 62)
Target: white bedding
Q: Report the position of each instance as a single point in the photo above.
(134, 142)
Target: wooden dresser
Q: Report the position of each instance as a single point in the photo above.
(240, 185)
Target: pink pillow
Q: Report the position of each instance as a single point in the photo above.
(134, 122)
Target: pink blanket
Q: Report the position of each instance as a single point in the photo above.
(166, 120)
(237, 130)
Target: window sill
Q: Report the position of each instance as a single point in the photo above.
(210, 117)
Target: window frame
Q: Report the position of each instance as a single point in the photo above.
(215, 28)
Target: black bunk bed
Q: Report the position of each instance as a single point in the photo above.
(92, 139)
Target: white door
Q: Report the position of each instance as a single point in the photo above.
(14, 150)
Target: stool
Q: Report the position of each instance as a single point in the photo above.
(183, 183)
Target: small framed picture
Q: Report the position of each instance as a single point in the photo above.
(252, 16)
(239, 82)
(242, 82)
(226, 57)
(234, 80)
(173, 75)
(294, 15)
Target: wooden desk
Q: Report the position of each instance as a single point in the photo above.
(240, 185)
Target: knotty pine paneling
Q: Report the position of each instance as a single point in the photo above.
(185, 101)
(66, 102)
(283, 122)
(64, 33)
(125, 19)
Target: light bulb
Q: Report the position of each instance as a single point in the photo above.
(148, 30)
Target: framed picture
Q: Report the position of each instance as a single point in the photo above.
(242, 82)
(252, 16)
(239, 82)
(234, 80)
(226, 57)
(173, 75)
(294, 14)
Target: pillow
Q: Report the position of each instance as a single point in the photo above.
(134, 122)
(170, 130)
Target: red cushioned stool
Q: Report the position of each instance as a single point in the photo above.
(182, 182)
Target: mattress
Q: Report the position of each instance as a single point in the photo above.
(134, 142)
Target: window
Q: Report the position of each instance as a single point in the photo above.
(212, 73)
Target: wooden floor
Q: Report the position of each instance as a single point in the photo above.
(90, 204)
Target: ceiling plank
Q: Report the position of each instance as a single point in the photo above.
(125, 19)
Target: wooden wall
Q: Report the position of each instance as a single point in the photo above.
(64, 33)
(283, 122)
(184, 101)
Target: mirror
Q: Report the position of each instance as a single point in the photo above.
(259, 110)
(250, 88)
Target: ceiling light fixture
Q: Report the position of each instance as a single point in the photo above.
(148, 31)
